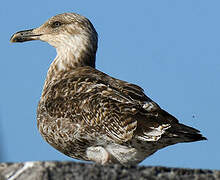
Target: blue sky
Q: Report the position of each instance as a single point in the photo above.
(170, 48)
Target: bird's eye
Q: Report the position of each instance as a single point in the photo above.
(56, 24)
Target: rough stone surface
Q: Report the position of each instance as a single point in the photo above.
(80, 171)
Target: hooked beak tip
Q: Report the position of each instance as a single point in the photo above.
(22, 36)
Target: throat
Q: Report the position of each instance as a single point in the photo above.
(69, 59)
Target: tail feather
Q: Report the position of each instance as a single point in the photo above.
(186, 133)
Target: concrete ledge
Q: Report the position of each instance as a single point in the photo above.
(80, 171)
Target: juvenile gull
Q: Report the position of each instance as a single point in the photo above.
(89, 115)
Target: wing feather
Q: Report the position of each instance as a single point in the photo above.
(104, 104)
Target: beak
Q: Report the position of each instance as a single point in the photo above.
(22, 36)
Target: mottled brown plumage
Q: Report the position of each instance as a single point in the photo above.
(89, 115)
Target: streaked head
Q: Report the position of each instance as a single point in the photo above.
(59, 28)
(63, 31)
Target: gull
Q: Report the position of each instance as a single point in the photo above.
(89, 115)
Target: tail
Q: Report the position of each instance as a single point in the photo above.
(185, 133)
(180, 132)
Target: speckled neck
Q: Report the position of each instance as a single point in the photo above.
(68, 58)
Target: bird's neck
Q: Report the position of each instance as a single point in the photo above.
(67, 59)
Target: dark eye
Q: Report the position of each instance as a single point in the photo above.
(56, 24)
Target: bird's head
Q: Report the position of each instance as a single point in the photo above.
(64, 31)
(59, 30)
